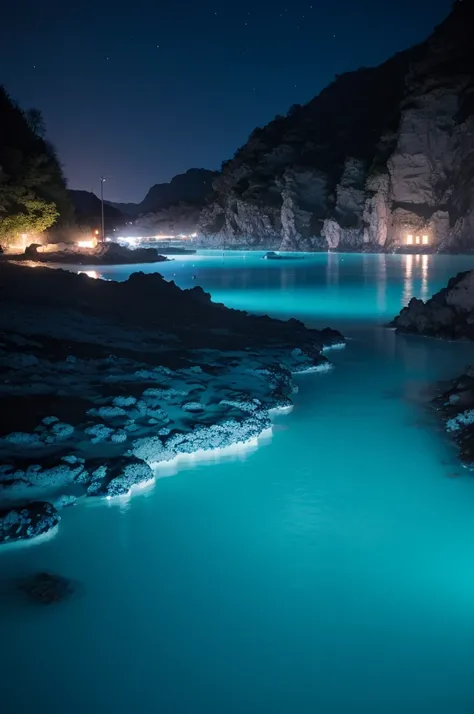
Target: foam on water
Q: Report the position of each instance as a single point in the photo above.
(331, 572)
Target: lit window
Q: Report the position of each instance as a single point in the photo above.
(425, 240)
(409, 240)
(417, 239)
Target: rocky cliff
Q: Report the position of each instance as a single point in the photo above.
(382, 159)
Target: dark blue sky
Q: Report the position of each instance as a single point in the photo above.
(140, 91)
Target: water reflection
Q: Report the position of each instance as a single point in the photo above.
(332, 269)
(90, 274)
(408, 282)
(382, 283)
(424, 277)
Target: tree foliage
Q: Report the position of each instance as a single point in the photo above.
(33, 194)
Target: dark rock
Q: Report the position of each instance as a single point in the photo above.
(447, 315)
(455, 404)
(46, 588)
(115, 476)
(27, 521)
(108, 253)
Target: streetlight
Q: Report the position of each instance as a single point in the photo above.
(102, 179)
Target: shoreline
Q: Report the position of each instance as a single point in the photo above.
(103, 391)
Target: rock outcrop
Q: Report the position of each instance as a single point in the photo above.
(103, 382)
(449, 314)
(382, 154)
(28, 521)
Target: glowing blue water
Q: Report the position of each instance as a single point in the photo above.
(331, 571)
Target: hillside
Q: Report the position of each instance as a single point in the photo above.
(381, 154)
(87, 210)
(192, 187)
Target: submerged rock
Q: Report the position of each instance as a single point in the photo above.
(46, 588)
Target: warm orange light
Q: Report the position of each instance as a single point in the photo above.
(96, 232)
(409, 240)
(426, 240)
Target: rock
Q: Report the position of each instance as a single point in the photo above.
(64, 501)
(219, 436)
(116, 476)
(46, 588)
(448, 314)
(24, 522)
(455, 404)
(192, 407)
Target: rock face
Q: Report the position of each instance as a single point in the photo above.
(449, 314)
(343, 174)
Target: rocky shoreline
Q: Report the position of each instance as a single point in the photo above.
(103, 254)
(104, 382)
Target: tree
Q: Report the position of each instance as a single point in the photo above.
(35, 120)
(33, 194)
(21, 212)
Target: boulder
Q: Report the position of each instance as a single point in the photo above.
(28, 521)
(46, 588)
(449, 314)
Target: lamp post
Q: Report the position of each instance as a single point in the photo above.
(102, 179)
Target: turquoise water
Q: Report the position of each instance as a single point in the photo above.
(329, 571)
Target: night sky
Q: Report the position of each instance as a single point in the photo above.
(141, 91)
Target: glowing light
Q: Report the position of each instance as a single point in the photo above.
(417, 240)
(425, 240)
(86, 243)
(90, 274)
(96, 233)
(24, 236)
(409, 240)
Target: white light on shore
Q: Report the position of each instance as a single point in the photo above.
(86, 243)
